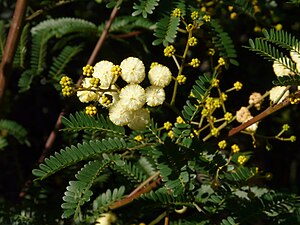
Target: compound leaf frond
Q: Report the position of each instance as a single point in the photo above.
(74, 154)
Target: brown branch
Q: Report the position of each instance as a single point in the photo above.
(131, 197)
(11, 43)
(263, 114)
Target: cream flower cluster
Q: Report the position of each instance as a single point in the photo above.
(126, 105)
(281, 70)
(243, 115)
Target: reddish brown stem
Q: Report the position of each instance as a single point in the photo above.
(11, 43)
(131, 197)
(263, 114)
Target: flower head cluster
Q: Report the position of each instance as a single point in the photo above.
(87, 70)
(169, 51)
(126, 104)
(192, 41)
(194, 15)
(176, 12)
(242, 159)
(195, 63)
(243, 115)
(66, 84)
(256, 99)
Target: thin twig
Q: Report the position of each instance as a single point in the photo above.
(11, 43)
(142, 185)
(131, 197)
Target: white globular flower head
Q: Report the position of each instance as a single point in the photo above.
(155, 96)
(276, 92)
(140, 119)
(132, 97)
(160, 76)
(102, 70)
(280, 69)
(133, 70)
(87, 96)
(119, 115)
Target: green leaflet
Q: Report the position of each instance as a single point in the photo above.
(82, 121)
(78, 192)
(102, 202)
(41, 34)
(144, 7)
(74, 154)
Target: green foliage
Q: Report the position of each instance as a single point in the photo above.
(172, 162)
(166, 30)
(127, 24)
(144, 7)
(41, 35)
(282, 39)
(268, 47)
(73, 154)
(223, 43)
(78, 192)
(103, 201)
(176, 172)
(294, 1)
(21, 51)
(131, 171)
(65, 56)
(81, 121)
(200, 90)
(9, 127)
(163, 196)
(228, 221)
(287, 80)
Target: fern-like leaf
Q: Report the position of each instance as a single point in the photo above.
(103, 201)
(200, 90)
(172, 163)
(166, 30)
(82, 121)
(127, 24)
(241, 174)
(21, 51)
(223, 43)
(59, 63)
(3, 143)
(270, 52)
(228, 221)
(41, 34)
(25, 80)
(14, 129)
(162, 195)
(283, 39)
(133, 173)
(144, 7)
(287, 80)
(78, 192)
(75, 154)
